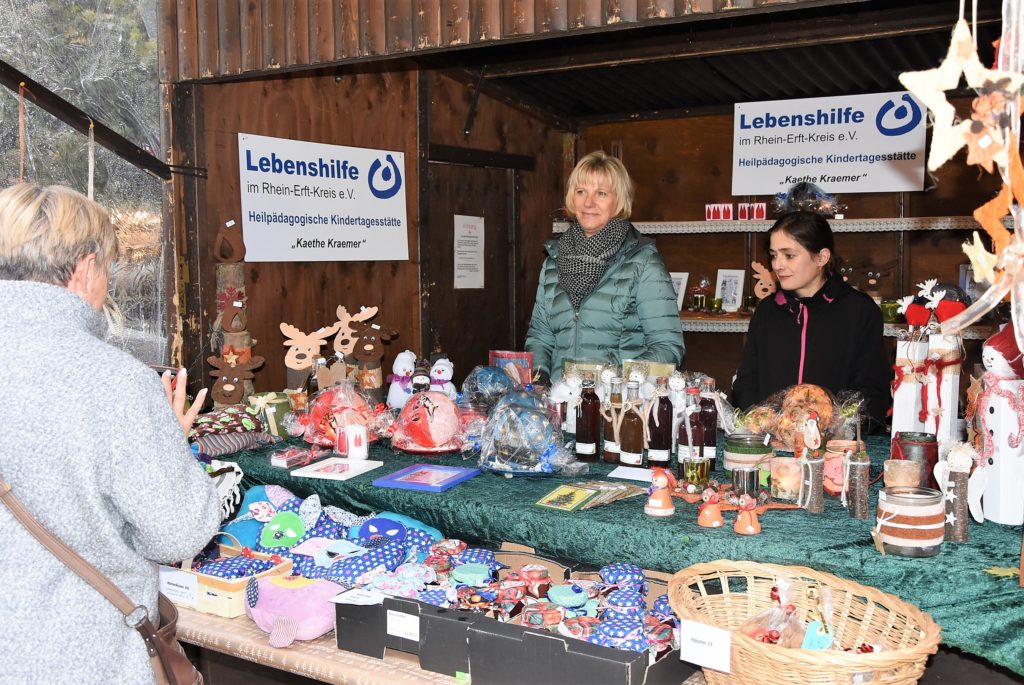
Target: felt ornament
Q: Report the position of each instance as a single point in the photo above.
(302, 348)
(229, 246)
(929, 87)
(230, 385)
(765, 281)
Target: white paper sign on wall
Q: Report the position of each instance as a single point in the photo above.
(304, 201)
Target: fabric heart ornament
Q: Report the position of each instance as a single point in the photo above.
(947, 309)
(917, 314)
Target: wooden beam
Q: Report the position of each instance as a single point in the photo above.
(451, 154)
(47, 100)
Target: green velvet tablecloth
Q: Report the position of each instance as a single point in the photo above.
(979, 612)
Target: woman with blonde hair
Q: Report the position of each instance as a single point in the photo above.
(604, 292)
(91, 446)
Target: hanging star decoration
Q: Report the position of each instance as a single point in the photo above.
(950, 519)
(930, 87)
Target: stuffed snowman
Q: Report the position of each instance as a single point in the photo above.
(1001, 414)
(441, 378)
(401, 379)
(677, 395)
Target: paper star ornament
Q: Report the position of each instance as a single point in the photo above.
(930, 87)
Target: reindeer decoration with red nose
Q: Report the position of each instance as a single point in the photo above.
(230, 385)
(302, 347)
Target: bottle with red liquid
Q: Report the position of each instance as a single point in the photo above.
(709, 418)
(631, 430)
(690, 441)
(659, 427)
(611, 446)
(588, 423)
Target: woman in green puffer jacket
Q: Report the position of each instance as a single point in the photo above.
(604, 292)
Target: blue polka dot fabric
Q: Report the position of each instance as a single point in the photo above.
(325, 527)
(438, 597)
(419, 539)
(621, 634)
(662, 609)
(477, 556)
(348, 570)
(252, 592)
(236, 567)
(625, 576)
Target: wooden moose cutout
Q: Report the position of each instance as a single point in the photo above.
(368, 352)
(230, 385)
(302, 347)
(765, 284)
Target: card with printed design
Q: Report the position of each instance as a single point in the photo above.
(336, 468)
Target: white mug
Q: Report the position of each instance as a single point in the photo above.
(356, 441)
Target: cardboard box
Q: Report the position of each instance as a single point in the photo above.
(456, 642)
(438, 635)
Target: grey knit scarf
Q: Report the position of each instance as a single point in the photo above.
(582, 260)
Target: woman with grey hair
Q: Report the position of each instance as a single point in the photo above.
(604, 292)
(93, 445)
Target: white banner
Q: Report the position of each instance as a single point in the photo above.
(305, 201)
(847, 144)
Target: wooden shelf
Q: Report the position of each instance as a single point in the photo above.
(740, 325)
(928, 223)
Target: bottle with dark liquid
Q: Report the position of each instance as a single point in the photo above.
(588, 423)
(312, 384)
(709, 418)
(691, 433)
(631, 430)
(659, 426)
(611, 446)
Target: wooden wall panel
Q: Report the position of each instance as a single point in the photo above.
(229, 37)
(321, 31)
(663, 9)
(551, 15)
(455, 22)
(372, 38)
(187, 38)
(251, 39)
(371, 109)
(208, 37)
(296, 22)
(346, 35)
(426, 22)
(485, 23)
(167, 42)
(518, 17)
(615, 11)
(274, 36)
(584, 13)
(501, 128)
(399, 25)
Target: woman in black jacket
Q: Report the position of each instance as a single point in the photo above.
(815, 328)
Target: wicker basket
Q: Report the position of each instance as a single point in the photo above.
(726, 593)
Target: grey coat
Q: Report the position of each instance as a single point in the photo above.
(90, 445)
(630, 314)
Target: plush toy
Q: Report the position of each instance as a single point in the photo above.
(1001, 411)
(291, 607)
(400, 379)
(441, 377)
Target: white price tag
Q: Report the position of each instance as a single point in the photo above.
(359, 596)
(403, 625)
(705, 645)
(179, 586)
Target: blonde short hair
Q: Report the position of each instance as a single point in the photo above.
(604, 168)
(46, 230)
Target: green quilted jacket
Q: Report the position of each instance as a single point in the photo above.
(631, 314)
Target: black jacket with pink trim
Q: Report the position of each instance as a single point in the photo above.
(832, 339)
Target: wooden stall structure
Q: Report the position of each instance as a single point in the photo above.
(492, 101)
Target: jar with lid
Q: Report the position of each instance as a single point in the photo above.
(748, 450)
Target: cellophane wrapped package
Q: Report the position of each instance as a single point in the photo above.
(522, 440)
(485, 385)
(429, 422)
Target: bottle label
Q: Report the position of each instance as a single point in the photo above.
(687, 452)
(611, 446)
(631, 458)
(586, 448)
(709, 452)
(658, 455)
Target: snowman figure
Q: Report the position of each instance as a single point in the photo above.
(401, 379)
(604, 390)
(639, 374)
(569, 390)
(676, 395)
(441, 378)
(1001, 414)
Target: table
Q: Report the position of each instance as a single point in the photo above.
(318, 659)
(980, 613)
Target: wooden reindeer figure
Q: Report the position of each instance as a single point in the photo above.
(302, 348)
(369, 351)
(345, 341)
(765, 281)
(230, 385)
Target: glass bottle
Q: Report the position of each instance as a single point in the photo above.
(312, 385)
(588, 423)
(631, 430)
(659, 427)
(690, 443)
(611, 446)
(709, 418)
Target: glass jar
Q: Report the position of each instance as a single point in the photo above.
(911, 522)
(785, 475)
(747, 450)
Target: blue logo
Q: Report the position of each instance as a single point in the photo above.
(905, 117)
(389, 174)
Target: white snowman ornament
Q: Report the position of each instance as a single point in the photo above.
(676, 395)
(568, 389)
(1000, 480)
(401, 379)
(441, 374)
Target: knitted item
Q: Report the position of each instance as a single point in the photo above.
(582, 260)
